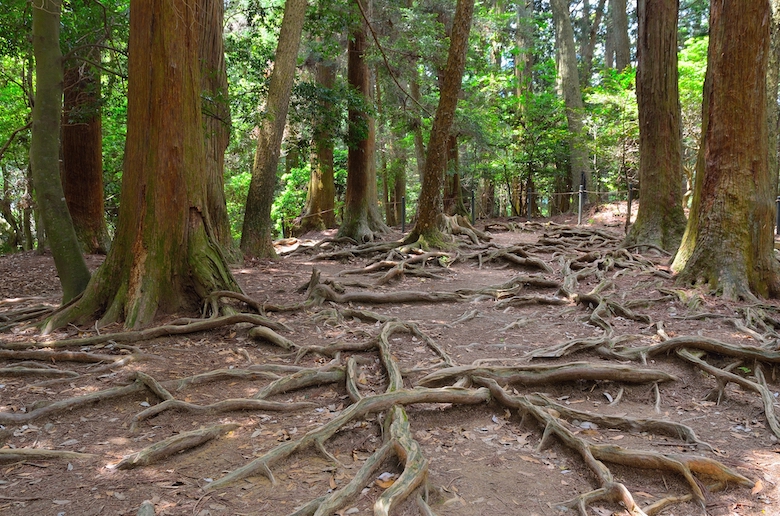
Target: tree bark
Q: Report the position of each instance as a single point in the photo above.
(45, 150)
(258, 227)
(320, 200)
(523, 59)
(361, 214)
(660, 220)
(589, 44)
(729, 240)
(82, 157)
(164, 258)
(569, 89)
(622, 44)
(773, 110)
(428, 225)
(453, 198)
(416, 127)
(216, 117)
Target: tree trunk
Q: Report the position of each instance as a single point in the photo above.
(82, 157)
(216, 117)
(258, 226)
(28, 213)
(609, 39)
(589, 45)
(428, 225)
(773, 112)
(15, 238)
(164, 258)
(453, 198)
(419, 142)
(361, 215)
(660, 220)
(320, 200)
(399, 190)
(45, 150)
(569, 89)
(728, 242)
(619, 32)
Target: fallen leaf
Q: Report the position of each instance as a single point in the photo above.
(384, 484)
(530, 459)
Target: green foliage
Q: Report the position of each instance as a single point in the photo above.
(290, 200)
(692, 66)
(693, 19)
(505, 135)
(613, 122)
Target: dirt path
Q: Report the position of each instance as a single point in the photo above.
(482, 457)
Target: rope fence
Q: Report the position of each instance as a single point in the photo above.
(548, 200)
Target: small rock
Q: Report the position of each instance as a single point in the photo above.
(146, 509)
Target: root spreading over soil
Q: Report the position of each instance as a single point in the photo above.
(547, 371)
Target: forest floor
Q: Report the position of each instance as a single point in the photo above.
(483, 457)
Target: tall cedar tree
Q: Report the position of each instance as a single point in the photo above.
(216, 116)
(82, 156)
(728, 242)
(258, 228)
(661, 220)
(320, 199)
(619, 30)
(569, 89)
(164, 258)
(45, 149)
(361, 214)
(428, 227)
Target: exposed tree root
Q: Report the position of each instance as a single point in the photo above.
(401, 266)
(174, 444)
(595, 455)
(318, 436)
(336, 316)
(36, 371)
(549, 374)
(670, 428)
(583, 255)
(724, 376)
(110, 361)
(184, 327)
(69, 404)
(13, 318)
(327, 505)
(516, 255)
(324, 293)
(317, 246)
(17, 454)
(301, 379)
(513, 287)
(142, 381)
(459, 225)
(267, 334)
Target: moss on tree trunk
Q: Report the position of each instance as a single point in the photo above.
(164, 258)
(661, 220)
(729, 241)
(45, 150)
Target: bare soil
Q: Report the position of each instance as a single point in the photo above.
(483, 458)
